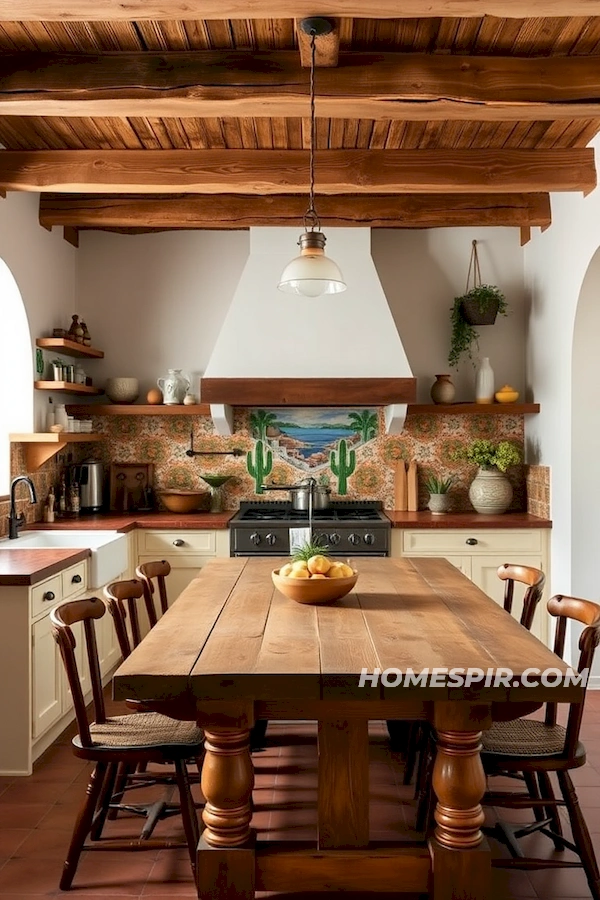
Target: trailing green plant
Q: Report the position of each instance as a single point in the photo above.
(465, 338)
(485, 453)
(435, 484)
(314, 547)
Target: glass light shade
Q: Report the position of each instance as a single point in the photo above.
(312, 273)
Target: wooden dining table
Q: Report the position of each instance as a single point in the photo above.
(232, 650)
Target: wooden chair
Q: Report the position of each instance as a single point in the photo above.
(533, 578)
(537, 748)
(148, 573)
(112, 740)
(122, 599)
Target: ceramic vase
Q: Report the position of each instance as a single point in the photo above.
(442, 390)
(174, 387)
(484, 385)
(490, 491)
(439, 504)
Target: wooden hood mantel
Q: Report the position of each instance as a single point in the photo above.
(224, 393)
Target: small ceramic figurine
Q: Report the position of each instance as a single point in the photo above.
(189, 399)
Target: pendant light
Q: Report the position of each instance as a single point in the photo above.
(312, 274)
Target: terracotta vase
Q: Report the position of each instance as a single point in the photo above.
(442, 390)
(490, 491)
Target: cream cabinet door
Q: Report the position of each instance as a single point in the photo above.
(484, 573)
(47, 678)
(109, 653)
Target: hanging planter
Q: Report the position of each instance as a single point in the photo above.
(479, 305)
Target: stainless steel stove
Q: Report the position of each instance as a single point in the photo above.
(348, 527)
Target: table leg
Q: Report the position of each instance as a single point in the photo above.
(225, 852)
(460, 855)
(343, 803)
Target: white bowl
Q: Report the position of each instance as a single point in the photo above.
(122, 390)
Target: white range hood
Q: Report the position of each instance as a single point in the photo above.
(275, 337)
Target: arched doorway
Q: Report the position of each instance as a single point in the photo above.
(16, 377)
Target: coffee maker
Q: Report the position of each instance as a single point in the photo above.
(90, 476)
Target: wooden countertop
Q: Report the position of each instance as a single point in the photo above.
(424, 519)
(30, 566)
(125, 522)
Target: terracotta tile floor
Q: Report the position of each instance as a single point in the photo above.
(37, 813)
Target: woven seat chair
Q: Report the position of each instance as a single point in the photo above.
(538, 748)
(149, 573)
(108, 741)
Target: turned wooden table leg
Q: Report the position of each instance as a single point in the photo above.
(460, 854)
(226, 850)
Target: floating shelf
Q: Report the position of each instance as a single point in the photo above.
(473, 409)
(69, 348)
(66, 387)
(41, 446)
(137, 409)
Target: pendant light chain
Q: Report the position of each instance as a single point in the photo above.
(311, 219)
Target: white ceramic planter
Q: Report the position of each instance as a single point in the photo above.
(490, 491)
(439, 503)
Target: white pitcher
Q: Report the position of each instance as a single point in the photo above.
(174, 387)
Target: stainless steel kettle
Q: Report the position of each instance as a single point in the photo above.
(90, 475)
(301, 494)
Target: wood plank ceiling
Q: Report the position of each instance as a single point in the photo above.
(127, 122)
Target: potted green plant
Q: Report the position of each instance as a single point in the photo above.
(479, 305)
(439, 497)
(490, 491)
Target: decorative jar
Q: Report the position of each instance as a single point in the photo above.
(490, 491)
(484, 387)
(442, 390)
(174, 387)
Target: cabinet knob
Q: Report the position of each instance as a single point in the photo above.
(76, 579)
(50, 596)
(178, 542)
(471, 542)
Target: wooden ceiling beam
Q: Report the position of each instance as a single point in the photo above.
(365, 85)
(139, 10)
(236, 212)
(262, 172)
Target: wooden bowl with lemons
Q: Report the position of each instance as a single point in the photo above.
(315, 580)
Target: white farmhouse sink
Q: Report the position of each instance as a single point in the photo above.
(109, 550)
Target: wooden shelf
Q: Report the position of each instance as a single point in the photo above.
(473, 409)
(66, 387)
(41, 446)
(137, 409)
(69, 348)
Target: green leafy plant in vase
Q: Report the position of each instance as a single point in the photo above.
(490, 491)
(439, 493)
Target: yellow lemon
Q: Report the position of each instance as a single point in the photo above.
(318, 565)
(299, 573)
(348, 571)
(285, 570)
(299, 564)
(335, 570)
(318, 575)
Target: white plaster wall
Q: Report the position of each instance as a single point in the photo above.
(158, 301)
(423, 270)
(556, 262)
(43, 266)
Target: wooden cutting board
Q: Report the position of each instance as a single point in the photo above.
(412, 487)
(400, 486)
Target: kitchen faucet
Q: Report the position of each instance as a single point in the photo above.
(15, 521)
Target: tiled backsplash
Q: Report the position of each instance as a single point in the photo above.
(429, 439)
(537, 479)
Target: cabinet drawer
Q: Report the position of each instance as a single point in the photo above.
(46, 595)
(472, 542)
(162, 542)
(74, 579)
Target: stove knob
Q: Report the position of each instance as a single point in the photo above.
(255, 538)
(270, 539)
(354, 538)
(369, 538)
(334, 538)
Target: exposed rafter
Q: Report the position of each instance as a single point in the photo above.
(235, 212)
(109, 10)
(365, 85)
(286, 171)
